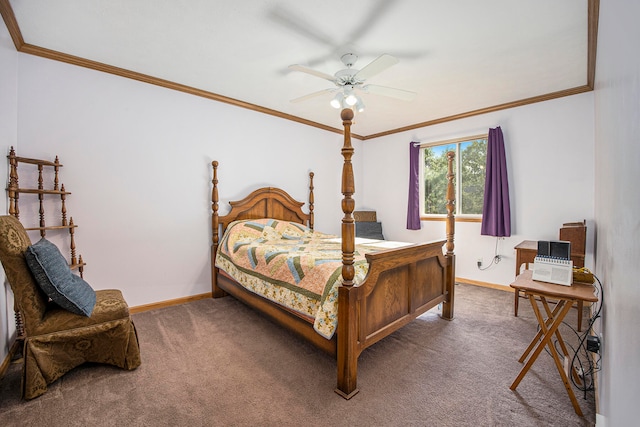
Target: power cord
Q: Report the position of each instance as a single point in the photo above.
(583, 357)
(495, 260)
(584, 361)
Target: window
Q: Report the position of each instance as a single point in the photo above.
(470, 160)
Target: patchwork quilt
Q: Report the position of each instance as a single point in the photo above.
(291, 265)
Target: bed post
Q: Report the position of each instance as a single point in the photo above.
(216, 292)
(311, 200)
(347, 357)
(447, 308)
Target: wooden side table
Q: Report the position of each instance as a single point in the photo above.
(566, 297)
(526, 252)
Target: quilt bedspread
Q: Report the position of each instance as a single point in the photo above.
(291, 265)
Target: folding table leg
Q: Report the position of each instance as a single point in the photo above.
(561, 310)
(565, 352)
(539, 334)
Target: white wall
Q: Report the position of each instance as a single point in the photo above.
(8, 137)
(617, 152)
(549, 148)
(137, 159)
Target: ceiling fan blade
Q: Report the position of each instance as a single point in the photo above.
(401, 94)
(297, 23)
(368, 22)
(376, 66)
(302, 68)
(313, 95)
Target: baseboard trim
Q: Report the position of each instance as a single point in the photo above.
(484, 284)
(168, 303)
(7, 360)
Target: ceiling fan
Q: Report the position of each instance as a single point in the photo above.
(349, 81)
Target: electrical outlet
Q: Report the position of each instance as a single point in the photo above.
(479, 262)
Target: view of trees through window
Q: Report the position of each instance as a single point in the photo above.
(470, 160)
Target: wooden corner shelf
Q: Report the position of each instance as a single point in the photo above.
(42, 190)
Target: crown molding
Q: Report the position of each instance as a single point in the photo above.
(21, 46)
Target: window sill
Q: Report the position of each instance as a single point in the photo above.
(457, 218)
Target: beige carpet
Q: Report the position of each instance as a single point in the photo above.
(218, 363)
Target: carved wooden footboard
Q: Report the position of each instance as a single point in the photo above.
(400, 285)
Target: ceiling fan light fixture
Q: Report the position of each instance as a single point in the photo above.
(349, 80)
(336, 102)
(351, 99)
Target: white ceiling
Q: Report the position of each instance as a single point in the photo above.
(458, 56)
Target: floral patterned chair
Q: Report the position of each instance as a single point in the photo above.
(57, 340)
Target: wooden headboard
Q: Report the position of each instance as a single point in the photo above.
(266, 202)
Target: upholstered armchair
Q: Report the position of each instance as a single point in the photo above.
(57, 340)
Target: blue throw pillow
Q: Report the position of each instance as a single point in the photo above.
(53, 275)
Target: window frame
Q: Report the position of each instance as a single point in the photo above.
(458, 216)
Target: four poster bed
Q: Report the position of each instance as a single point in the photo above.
(375, 288)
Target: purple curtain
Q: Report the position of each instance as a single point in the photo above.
(413, 209)
(496, 213)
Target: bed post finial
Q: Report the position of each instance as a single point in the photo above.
(311, 200)
(216, 292)
(447, 307)
(451, 198)
(348, 204)
(214, 203)
(347, 318)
